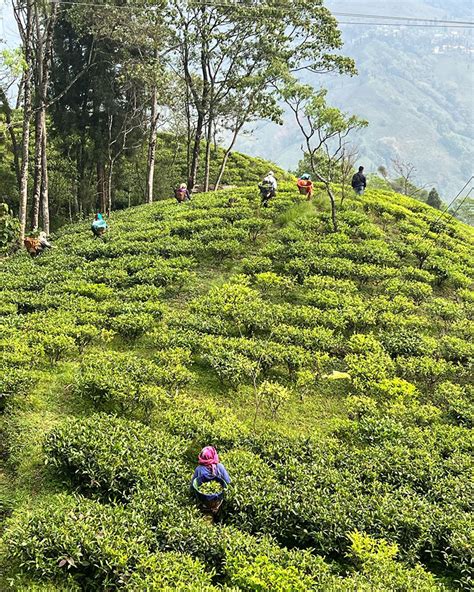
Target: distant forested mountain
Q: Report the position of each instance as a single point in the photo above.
(415, 86)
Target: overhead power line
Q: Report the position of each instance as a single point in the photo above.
(427, 26)
(446, 211)
(402, 18)
(399, 20)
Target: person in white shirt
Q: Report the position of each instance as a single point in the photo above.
(270, 180)
(268, 188)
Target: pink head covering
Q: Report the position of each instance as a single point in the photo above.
(208, 457)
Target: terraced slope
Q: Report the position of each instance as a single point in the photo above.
(333, 372)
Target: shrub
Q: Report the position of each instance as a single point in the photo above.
(426, 371)
(456, 401)
(256, 264)
(271, 283)
(14, 382)
(403, 342)
(97, 292)
(170, 571)
(57, 346)
(131, 326)
(9, 230)
(455, 349)
(114, 379)
(235, 309)
(85, 335)
(250, 498)
(203, 424)
(368, 363)
(98, 545)
(110, 457)
(419, 291)
(272, 395)
(230, 366)
(174, 372)
(378, 569)
(221, 249)
(254, 226)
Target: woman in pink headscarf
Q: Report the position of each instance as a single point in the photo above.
(209, 469)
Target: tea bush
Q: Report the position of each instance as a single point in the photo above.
(99, 545)
(110, 457)
(352, 350)
(14, 382)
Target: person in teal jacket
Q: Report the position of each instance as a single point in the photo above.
(99, 226)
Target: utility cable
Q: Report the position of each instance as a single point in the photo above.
(438, 233)
(446, 210)
(406, 21)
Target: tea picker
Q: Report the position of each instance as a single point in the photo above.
(305, 185)
(99, 226)
(209, 482)
(182, 193)
(35, 246)
(268, 188)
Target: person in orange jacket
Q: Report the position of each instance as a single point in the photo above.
(305, 185)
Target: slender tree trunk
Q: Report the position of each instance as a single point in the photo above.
(332, 199)
(226, 157)
(38, 82)
(109, 187)
(101, 196)
(150, 176)
(188, 133)
(202, 106)
(45, 70)
(81, 170)
(25, 136)
(39, 127)
(327, 186)
(196, 151)
(207, 163)
(44, 177)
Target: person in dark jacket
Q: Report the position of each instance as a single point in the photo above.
(182, 193)
(359, 182)
(209, 469)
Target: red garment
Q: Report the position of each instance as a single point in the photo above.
(305, 187)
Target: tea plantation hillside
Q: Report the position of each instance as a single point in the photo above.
(332, 371)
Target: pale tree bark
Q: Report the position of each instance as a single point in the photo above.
(37, 168)
(38, 83)
(24, 18)
(46, 68)
(127, 127)
(226, 156)
(150, 174)
(207, 161)
(44, 179)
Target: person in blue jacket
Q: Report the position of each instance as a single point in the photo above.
(99, 225)
(209, 469)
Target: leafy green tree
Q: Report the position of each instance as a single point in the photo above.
(241, 50)
(9, 229)
(434, 199)
(324, 130)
